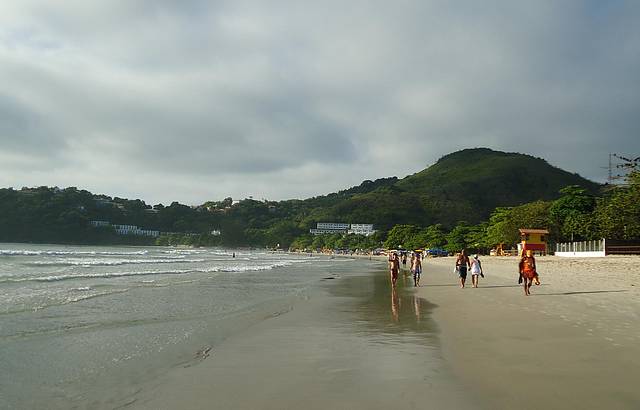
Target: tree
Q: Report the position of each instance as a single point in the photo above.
(571, 214)
(282, 233)
(401, 236)
(531, 215)
(302, 243)
(499, 227)
(476, 238)
(504, 222)
(434, 236)
(457, 238)
(331, 241)
(617, 216)
(318, 242)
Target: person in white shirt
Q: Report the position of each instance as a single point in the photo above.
(476, 270)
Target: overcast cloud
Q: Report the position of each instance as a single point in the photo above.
(198, 100)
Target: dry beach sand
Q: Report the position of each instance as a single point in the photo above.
(575, 343)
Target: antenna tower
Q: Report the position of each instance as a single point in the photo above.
(620, 166)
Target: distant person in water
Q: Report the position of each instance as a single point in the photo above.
(394, 268)
(416, 268)
(404, 260)
(234, 255)
(528, 271)
(462, 265)
(476, 270)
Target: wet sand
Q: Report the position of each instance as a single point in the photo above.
(355, 344)
(352, 344)
(575, 343)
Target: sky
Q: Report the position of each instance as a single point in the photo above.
(196, 100)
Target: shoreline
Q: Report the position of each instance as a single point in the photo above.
(567, 346)
(346, 340)
(351, 344)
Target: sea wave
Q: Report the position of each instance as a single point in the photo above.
(109, 262)
(254, 268)
(82, 289)
(74, 299)
(108, 275)
(184, 251)
(104, 275)
(23, 252)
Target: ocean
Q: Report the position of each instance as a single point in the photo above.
(81, 324)
(96, 327)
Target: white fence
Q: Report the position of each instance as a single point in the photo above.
(582, 249)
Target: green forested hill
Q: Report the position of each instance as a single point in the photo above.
(465, 185)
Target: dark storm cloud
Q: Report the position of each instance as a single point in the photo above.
(292, 99)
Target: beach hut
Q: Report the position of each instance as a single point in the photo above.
(534, 239)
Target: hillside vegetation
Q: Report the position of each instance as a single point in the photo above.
(463, 186)
(467, 186)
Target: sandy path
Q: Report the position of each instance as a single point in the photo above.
(575, 343)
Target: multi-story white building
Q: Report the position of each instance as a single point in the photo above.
(329, 228)
(362, 229)
(134, 230)
(339, 227)
(325, 231)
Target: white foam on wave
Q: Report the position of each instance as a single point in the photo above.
(23, 252)
(104, 275)
(109, 262)
(255, 268)
(74, 299)
(183, 251)
(109, 275)
(83, 289)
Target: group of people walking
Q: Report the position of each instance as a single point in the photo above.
(415, 266)
(464, 264)
(528, 274)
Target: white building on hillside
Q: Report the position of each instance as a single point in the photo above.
(337, 226)
(329, 228)
(134, 230)
(362, 229)
(342, 228)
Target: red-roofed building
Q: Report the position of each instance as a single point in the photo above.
(534, 239)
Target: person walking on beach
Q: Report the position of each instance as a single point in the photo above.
(394, 268)
(528, 271)
(476, 270)
(416, 268)
(462, 264)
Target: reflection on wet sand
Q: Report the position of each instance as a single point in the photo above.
(388, 314)
(395, 304)
(417, 306)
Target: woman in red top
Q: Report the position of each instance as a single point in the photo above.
(528, 271)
